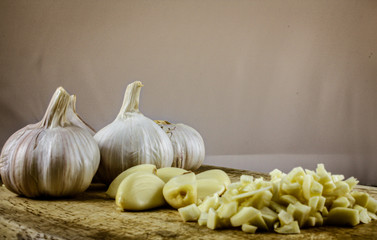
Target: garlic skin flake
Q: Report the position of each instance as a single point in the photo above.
(188, 145)
(51, 158)
(131, 139)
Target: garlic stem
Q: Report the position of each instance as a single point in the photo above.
(81, 123)
(131, 99)
(55, 114)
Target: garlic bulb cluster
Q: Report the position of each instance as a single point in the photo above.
(55, 157)
(131, 139)
(188, 145)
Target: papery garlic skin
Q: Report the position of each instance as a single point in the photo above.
(75, 119)
(51, 158)
(188, 145)
(131, 139)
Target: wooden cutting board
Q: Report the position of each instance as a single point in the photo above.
(91, 215)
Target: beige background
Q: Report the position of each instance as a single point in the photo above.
(268, 84)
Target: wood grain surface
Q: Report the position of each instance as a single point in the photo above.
(91, 215)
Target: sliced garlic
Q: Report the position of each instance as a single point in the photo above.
(113, 188)
(286, 203)
(169, 172)
(140, 191)
(181, 190)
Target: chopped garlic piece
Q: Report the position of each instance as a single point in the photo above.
(248, 228)
(289, 228)
(189, 213)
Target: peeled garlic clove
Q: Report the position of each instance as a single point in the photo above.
(113, 188)
(217, 174)
(181, 190)
(208, 187)
(188, 145)
(131, 139)
(169, 172)
(140, 191)
(51, 158)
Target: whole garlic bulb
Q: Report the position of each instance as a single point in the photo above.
(188, 145)
(51, 158)
(131, 139)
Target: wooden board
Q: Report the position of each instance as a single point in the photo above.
(91, 215)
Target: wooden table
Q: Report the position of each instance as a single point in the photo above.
(91, 215)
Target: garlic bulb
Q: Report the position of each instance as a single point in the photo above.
(51, 158)
(188, 145)
(131, 139)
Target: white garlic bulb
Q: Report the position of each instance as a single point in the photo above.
(131, 139)
(188, 145)
(51, 158)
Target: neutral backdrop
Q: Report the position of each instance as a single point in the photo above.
(268, 84)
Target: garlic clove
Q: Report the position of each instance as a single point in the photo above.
(169, 172)
(131, 139)
(140, 191)
(113, 188)
(188, 145)
(208, 187)
(217, 174)
(181, 190)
